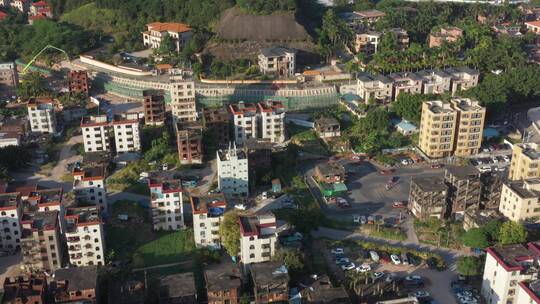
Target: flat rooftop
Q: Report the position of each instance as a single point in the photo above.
(225, 155)
(208, 203)
(243, 109)
(41, 220)
(365, 77)
(269, 273)
(529, 188)
(440, 107)
(271, 106)
(254, 224)
(165, 182)
(8, 200)
(223, 276)
(430, 184)
(94, 120)
(467, 104)
(126, 118)
(77, 278)
(90, 171)
(532, 150)
(84, 214)
(512, 257)
(331, 168)
(463, 172)
(177, 285)
(46, 196)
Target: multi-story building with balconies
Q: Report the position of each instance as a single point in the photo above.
(89, 186)
(217, 120)
(470, 126)
(367, 42)
(427, 197)
(464, 189)
(180, 34)
(435, 81)
(208, 213)
(257, 238)
(277, 60)
(525, 161)
(272, 120)
(166, 202)
(154, 107)
(41, 115)
(85, 236)
(126, 132)
(520, 200)
(232, 168)
(405, 82)
(182, 99)
(463, 78)
(78, 82)
(11, 210)
(189, 140)
(244, 121)
(95, 131)
(371, 87)
(41, 242)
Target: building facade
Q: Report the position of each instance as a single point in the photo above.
(9, 77)
(378, 88)
(95, 131)
(25, 289)
(257, 238)
(464, 189)
(189, 140)
(435, 81)
(11, 210)
(208, 213)
(463, 78)
(245, 122)
(78, 82)
(154, 107)
(166, 203)
(525, 161)
(277, 60)
(367, 42)
(272, 121)
(127, 137)
(405, 82)
(232, 168)
(217, 120)
(223, 283)
(75, 285)
(520, 200)
(41, 115)
(85, 236)
(182, 99)
(89, 186)
(427, 197)
(41, 242)
(179, 33)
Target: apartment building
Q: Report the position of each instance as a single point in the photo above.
(529, 292)
(435, 81)
(491, 189)
(223, 283)
(75, 285)
(327, 127)
(405, 82)
(46, 200)
(451, 128)
(445, 35)
(520, 200)
(233, 176)
(244, 121)
(257, 238)
(180, 34)
(166, 203)
(126, 132)
(189, 141)
(427, 197)
(95, 131)
(11, 210)
(374, 87)
(78, 82)
(271, 121)
(25, 289)
(41, 115)
(217, 121)
(463, 78)
(464, 189)
(41, 242)
(182, 99)
(154, 107)
(367, 42)
(89, 186)
(208, 213)
(270, 282)
(9, 77)
(525, 161)
(278, 61)
(505, 267)
(402, 37)
(85, 236)
(533, 26)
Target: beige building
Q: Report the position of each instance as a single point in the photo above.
(85, 236)
(367, 42)
(405, 82)
(463, 78)
(451, 128)
(427, 197)
(40, 242)
(208, 213)
(182, 99)
(180, 34)
(257, 238)
(446, 34)
(520, 200)
(278, 61)
(435, 81)
(525, 161)
(378, 88)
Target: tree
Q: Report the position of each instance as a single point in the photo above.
(475, 238)
(32, 85)
(334, 35)
(229, 232)
(512, 233)
(293, 259)
(470, 266)
(15, 157)
(409, 106)
(167, 45)
(375, 120)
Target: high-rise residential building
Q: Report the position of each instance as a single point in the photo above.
(257, 238)
(208, 213)
(189, 141)
(520, 200)
(85, 236)
(75, 285)
(277, 60)
(41, 242)
(78, 82)
(216, 121)
(180, 34)
(182, 99)
(11, 210)
(126, 132)
(427, 197)
(244, 121)
(272, 120)
(41, 115)
(95, 131)
(505, 267)
(525, 161)
(89, 186)
(232, 167)
(166, 203)
(451, 128)
(374, 87)
(464, 189)
(154, 107)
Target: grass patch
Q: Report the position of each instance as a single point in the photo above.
(127, 177)
(78, 148)
(439, 233)
(384, 232)
(67, 178)
(168, 248)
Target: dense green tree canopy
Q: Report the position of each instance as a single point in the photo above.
(409, 106)
(470, 265)
(512, 233)
(475, 238)
(229, 231)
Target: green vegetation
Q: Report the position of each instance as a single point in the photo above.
(229, 231)
(470, 265)
(495, 232)
(168, 248)
(439, 233)
(334, 35)
(409, 106)
(512, 233)
(293, 259)
(32, 85)
(384, 232)
(266, 6)
(475, 238)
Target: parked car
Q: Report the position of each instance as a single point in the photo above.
(348, 266)
(484, 169)
(386, 171)
(404, 259)
(342, 261)
(337, 251)
(374, 256)
(399, 204)
(356, 219)
(413, 281)
(420, 294)
(363, 268)
(385, 257)
(363, 220)
(437, 166)
(377, 275)
(395, 259)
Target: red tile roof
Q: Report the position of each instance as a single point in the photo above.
(40, 3)
(533, 23)
(3, 15)
(169, 26)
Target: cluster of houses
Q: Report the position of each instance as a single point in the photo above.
(35, 10)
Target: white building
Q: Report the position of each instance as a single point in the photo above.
(9, 139)
(277, 60)
(233, 177)
(435, 81)
(272, 120)
(182, 99)
(208, 213)
(85, 236)
(126, 132)
(507, 266)
(21, 5)
(166, 203)
(95, 131)
(257, 238)
(89, 186)
(529, 292)
(180, 34)
(370, 87)
(11, 210)
(245, 122)
(41, 115)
